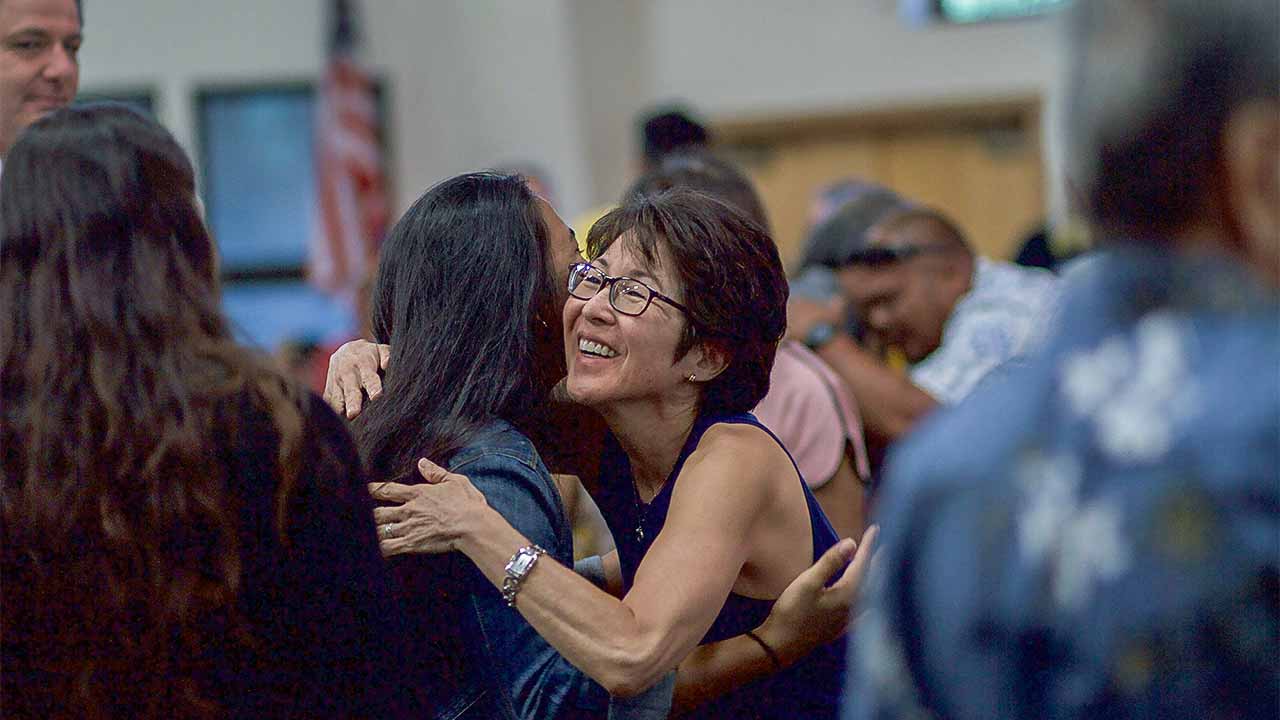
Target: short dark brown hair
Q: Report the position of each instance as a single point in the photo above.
(734, 286)
(942, 227)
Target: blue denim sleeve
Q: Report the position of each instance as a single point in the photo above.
(535, 681)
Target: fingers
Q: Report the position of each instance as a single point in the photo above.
(391, 492)
(371, 381)
(332, 393)
(393, 546)
(851, 579)
(351, 398)
(384, 515)
(828, 565)
(352, 368)
(432, 472)
(369, 365)
(401, 545)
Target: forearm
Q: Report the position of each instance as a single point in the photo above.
(592, 630)
(719, 668)
(891, 405)
(716, 669)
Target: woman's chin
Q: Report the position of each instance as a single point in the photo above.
(582, 393)
(576, 392)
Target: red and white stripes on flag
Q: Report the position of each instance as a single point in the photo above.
(353, 206)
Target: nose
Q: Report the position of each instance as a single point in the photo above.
(879, 319)
(62, 65)
(598, 309)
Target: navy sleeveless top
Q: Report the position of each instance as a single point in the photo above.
(808, 689)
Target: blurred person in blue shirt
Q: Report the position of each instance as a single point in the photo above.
(1096, 532)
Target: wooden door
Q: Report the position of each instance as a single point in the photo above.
(979, 163)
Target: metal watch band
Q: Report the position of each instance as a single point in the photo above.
(518, 568)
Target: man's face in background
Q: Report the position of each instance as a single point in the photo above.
(39, 69)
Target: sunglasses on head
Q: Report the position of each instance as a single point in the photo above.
(877, 256)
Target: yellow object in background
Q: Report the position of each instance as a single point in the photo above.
(582, 225)
(896, 359)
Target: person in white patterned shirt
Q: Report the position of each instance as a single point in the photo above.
(955, 315)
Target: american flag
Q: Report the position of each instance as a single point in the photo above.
(353, 206)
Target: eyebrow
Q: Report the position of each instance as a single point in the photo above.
(644, 275)
(640, 274)
(39, 33)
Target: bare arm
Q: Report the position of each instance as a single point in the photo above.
(806, 616)
(680, 586)
(891, 405)
(842, 498)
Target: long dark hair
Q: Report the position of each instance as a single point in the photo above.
(121, 555)
(464, 297)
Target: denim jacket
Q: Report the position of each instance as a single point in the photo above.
(477, 657)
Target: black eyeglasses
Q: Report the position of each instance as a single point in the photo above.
(627, 295)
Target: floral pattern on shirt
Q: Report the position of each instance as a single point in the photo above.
(1096, 532)
(997, 320)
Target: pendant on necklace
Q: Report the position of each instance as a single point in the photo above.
(642, 511)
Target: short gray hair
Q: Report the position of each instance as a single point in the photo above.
(1152, 86)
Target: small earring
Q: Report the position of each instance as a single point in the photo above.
(692, 377)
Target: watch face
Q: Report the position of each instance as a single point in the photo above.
(521, 563)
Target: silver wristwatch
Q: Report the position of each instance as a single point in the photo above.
(518, 569)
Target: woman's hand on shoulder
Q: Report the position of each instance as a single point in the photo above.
(355, 367)
(428, 518)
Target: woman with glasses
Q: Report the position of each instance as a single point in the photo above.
(669, 333)
(467, 301)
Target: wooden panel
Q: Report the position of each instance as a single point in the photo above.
(789, 176)
(988, 181)
(982, 169)
(768, 129)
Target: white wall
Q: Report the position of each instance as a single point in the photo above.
(739, 57)
(557, 82)
(175, 46)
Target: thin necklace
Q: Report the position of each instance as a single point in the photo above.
(642, 508)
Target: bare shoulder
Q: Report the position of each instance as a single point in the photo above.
(740, 452)
(735, 475)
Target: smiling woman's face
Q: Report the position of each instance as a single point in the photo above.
(612, 357)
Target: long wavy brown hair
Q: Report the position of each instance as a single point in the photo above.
(121, 557)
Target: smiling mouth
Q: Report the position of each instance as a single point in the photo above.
(590, 347)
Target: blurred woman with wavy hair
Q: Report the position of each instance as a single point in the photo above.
(184, 533)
